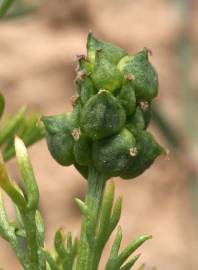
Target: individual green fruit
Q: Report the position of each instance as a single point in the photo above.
(127, 98)
(85, 89)
(112, 53)
(102, 116)
(145, 76)
(111, 155)
(135, 123)
(105, 75)
(61, 148)
(147, 151)
(82, 150)
(60, 141)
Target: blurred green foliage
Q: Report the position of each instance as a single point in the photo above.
(29, 128)
(11, 9)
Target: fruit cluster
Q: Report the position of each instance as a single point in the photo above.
(107, 127)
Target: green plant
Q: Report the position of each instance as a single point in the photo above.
(104, 136)
(29, 128)
(5, 6)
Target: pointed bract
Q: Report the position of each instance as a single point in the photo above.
(112, 53)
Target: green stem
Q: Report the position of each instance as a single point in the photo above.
(30, 227)
(19, 254)
(95, 191)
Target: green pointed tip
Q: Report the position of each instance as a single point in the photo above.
(116, 213)
(161, 151)
(82, 206)
(146, 237)
(165, 151)
(124, 255)
(112, 53)
(91, 47)
(55, 123)
(145, 52)
(91, 39)
(48, 122)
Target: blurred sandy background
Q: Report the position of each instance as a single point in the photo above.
(37, 68)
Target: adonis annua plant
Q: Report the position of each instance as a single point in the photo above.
(103, 137)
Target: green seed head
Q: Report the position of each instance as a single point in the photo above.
(107, 127)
